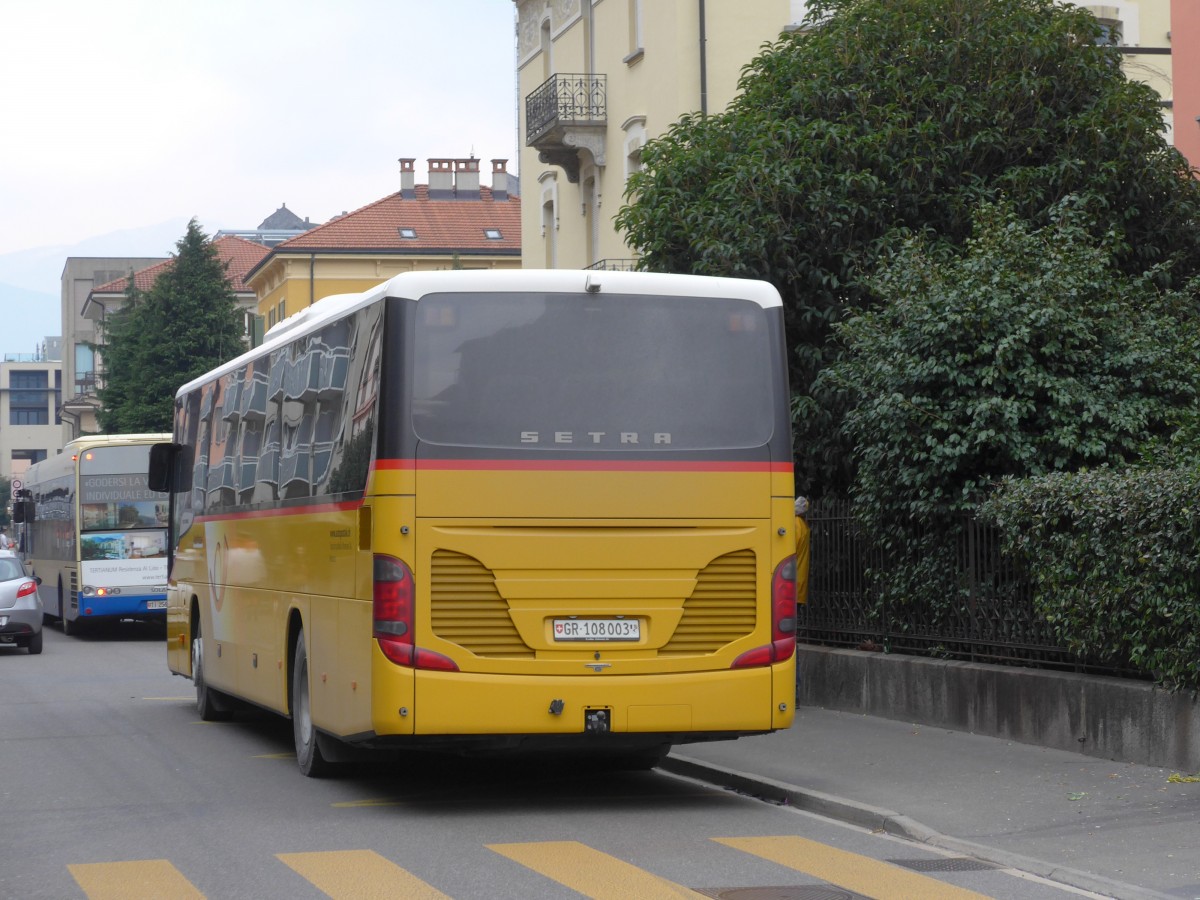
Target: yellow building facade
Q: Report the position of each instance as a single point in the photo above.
(453, 222)
(598, 78)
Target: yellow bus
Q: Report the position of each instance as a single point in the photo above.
(94, 532)
(493, 511)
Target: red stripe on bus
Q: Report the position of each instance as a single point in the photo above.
(306, 510)
(581, 465)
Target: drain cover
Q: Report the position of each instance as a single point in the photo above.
(949, 864)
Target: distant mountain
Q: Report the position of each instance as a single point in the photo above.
(29, 317)
(31, 280)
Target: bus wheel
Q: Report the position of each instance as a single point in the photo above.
(210, 704)
(312, 762)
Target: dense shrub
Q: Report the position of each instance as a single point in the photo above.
(1115, 560)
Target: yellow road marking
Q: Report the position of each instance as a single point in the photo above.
(590, 872)
(849, 870)
(359, 875)
(172, 699)
(150, 879)
(291, 755)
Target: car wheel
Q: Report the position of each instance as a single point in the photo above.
(210, 703)
(35, 644)
(308, 754)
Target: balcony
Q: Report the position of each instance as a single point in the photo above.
(614, 264)
(564, 115)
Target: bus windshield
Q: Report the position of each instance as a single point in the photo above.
(630, 372)
(113, 490)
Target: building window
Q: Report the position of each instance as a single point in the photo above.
(408, 233)
(635, 31)
(28, 417)
(85, 368)
(28, 381)
(635, 138)
(1110, 32)
(29, 398)
(492, 234)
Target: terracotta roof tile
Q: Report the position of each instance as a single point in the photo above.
(239, 254)
(442, 225)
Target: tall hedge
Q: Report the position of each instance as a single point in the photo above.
(1115, 561)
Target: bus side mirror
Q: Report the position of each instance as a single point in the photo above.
(161, 476)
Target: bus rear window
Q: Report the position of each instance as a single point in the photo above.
(592, 372)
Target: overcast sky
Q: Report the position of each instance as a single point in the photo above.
(125, 114)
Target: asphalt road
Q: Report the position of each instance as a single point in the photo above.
(111, 787)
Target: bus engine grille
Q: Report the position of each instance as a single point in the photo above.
(469, 611)
(721, 608)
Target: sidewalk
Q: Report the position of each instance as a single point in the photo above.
(1113, 828)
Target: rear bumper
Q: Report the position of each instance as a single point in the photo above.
(20, 621)
(667, 708)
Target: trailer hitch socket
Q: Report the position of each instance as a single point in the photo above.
(597, 721)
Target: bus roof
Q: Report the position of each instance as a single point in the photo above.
(415, 285)
(87, 441)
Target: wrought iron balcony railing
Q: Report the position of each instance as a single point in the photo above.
(567, 114)
(565, 100)
(614, 264)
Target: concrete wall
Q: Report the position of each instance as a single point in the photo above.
(1110, 718)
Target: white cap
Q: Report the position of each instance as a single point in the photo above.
(801, 505)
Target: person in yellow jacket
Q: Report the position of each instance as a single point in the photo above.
(802, 550)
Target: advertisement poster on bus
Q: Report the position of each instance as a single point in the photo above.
(124, 558)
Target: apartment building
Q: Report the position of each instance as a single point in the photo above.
(452, 221)
(79, 337)
(30, 426)
(103, 300)
(1185, 68)
(598, 78)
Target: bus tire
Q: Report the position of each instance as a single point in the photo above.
(309, 757)
(211, 704)
(67, 627)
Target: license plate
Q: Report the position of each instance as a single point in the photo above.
(597, 629)
(156, 604)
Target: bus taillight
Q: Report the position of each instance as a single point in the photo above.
(392, 611)
(783, 610)
(783, 621)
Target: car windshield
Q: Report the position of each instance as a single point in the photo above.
(10, 568)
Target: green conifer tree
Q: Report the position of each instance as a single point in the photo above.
(186, 323)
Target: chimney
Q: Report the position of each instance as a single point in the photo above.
(408, 188)
(441, 179)
(466, 179)
(499, 179)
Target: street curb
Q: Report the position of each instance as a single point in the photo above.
(877, 818)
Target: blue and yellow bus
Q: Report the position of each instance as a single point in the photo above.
(493, 511)
(95, 533)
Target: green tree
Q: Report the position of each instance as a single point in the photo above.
(185, 324)
(1027, 352)
(886, 118)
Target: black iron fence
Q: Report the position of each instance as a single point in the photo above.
(982, 611)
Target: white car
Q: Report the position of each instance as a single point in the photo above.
(20, 605)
